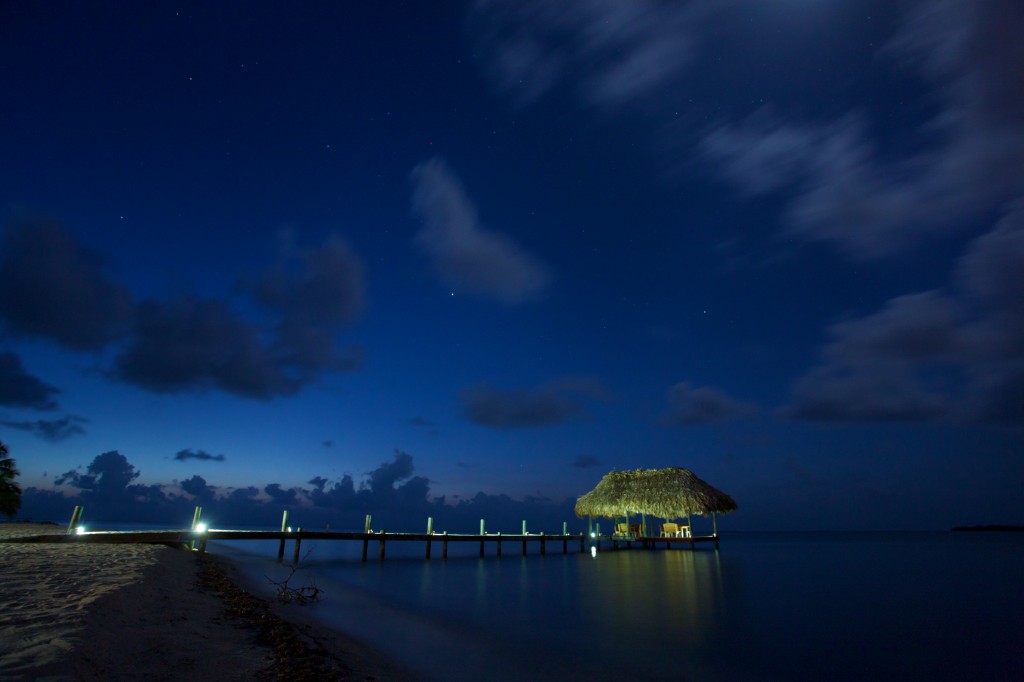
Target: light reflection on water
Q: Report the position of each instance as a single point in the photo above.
(764, 607)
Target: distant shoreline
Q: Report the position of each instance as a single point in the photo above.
(990, 527)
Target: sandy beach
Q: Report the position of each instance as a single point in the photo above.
(122, 612)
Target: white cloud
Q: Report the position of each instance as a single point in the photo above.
(465, 254)
(958, 353)
(611, 52)
(847, 192)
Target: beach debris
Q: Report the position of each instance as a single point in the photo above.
(305, 593)
(294, 655)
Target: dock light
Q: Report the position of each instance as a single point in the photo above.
(593, 535)
(79, 530)
(200, 527)
(289, 529)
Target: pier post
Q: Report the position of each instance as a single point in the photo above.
(366, 534)
(565, 537)
(542, 552)
(195, 522)
(430, 531)
(298, 543)
(581, 543)
(444, 553)
(76, 517)
(482, 533)
(382, 534)
(499, 543)
(284, 527)
(524, 537)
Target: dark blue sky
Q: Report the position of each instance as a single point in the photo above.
(451, 248)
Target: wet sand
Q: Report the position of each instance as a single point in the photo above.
(115, 612)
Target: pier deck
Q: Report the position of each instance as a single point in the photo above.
(198, 539)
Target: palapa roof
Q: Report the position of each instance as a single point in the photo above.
(668, 493)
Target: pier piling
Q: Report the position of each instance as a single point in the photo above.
(366, 533)
(76, 517)
(284, 527)
(196, 515)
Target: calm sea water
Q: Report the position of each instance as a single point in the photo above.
(829, 606)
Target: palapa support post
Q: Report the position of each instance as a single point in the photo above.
(382, 534)
(714, 526)
(284, 527)
(430, 531)
(76, 517)
(298, 543)
(482, 534)
(444, 545)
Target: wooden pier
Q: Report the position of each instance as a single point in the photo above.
(198, 539)
(198, 536)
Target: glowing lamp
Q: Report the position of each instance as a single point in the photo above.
(593, 552)
(200, 527)
(79, 530)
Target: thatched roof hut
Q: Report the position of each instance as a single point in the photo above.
(668, 493)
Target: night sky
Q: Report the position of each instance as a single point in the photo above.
(472, 256)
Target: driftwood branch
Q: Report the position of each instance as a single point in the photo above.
(305, 593)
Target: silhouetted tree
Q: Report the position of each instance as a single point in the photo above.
(10, 493)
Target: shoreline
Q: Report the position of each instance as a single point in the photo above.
(71, 611)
